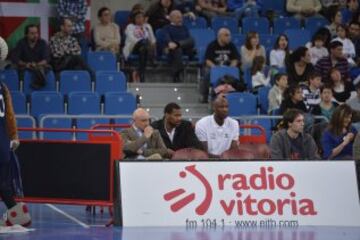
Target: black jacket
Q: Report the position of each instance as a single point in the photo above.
(184, 136)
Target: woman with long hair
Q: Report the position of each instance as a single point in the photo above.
(337, 140)
(341, 89)
(299, 66)
(293, 98)
(280, 52)
(250, 50)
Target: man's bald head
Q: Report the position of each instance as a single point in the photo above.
(224, 36)
(221, 107)
(176, 17)
(141, 118)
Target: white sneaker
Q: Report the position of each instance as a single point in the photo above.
(19, 214)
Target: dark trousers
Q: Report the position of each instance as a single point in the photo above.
(6, 192)
(143, 49)
(185, 47)
(71, 62)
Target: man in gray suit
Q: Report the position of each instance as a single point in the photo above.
(141, 141)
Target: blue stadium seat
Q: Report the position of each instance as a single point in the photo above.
(74, 81)
(312, 24)
(278, 6)
(199, 22)
(242, 104)
(121, 18)
(57, 123)
(263, 93)
(202, 38)
(297, 37)
(19, 102)
(252, 24)
(238, 39)
(230, 23)
(267, 41)
(46, 103)
(119, 103)
(83, 103)
(217, 72)
(11, 79)
(50, 82)
(87, 123)
(123, 120)
(25, 123)
(102, 61)
(160, 44)
(109, 81)
(281, 24)
(266, 124)
(248, 78)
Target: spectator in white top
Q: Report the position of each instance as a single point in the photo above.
(317, 49)
(303, 8)
(4, 50)
(276, 93)
(336, 20)
(218, 132)
(280, 52)
(311, 92)
(106, 33)
(354, 102)
(250, 50)
(348, 45)
(258, 78)
(140, 40)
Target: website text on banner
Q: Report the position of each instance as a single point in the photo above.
(242, 194)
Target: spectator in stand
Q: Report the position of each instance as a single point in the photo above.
(354, 102)
(141, 141)
(32, 54)
(336, 20)
(299, 66)
(351, 8)
(176, 132)
(75, 10)
(311, 91)
(211, 8)
(280, 52)
(276, 93)
(250, 50)
(178, 42)
(4, 50)
(335, 59)
(218, 132)
(348, 46)
(293, 98)
(106, 33)
(186, 7)
(304, 8)
(65, 50)
(220, 52)
(317, 49)
(354, 34)
(327, 6)
(342, 90)
(291, 142)
(327, 106)
(258, 75)
(140, 40)
(244, 8)
(337, 140)
(158, 14)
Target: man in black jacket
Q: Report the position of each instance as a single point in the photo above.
(175, 132)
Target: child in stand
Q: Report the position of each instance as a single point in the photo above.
(277, 91)
(317, 49)
(348, 45)
(258, 77)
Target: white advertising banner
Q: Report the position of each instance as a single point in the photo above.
(240, 194)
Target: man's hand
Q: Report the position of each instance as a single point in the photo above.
(148, 131)
(172, 45)
(170, 152)
(14, 144)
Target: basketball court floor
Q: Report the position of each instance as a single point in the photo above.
(63, 222)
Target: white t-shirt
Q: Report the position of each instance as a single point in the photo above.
(277, 58)
(218, 138)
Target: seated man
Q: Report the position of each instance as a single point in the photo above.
(175, 132)
(141, 140)
(220, 52)
(178, 42)
(218, 132)
(304, 8)
(65, 50)
(32, 54)
(292, 143)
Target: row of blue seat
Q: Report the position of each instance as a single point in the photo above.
(106, 81)
(115, 103)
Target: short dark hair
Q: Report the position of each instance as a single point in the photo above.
(326, 86)
(313, 75)
(290, 115)
(278, 76)
(27, 28)
(62, 20)
(335, 44)
(101, 10)
(170, 107)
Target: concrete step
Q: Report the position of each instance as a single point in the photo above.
(189, 111)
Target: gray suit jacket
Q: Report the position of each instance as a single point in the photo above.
(132, 143)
